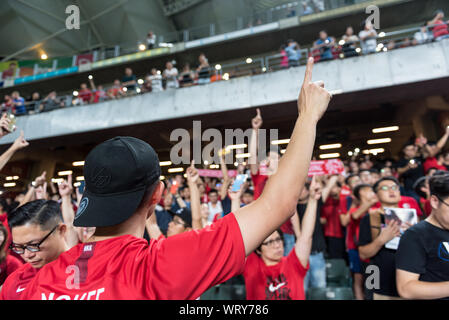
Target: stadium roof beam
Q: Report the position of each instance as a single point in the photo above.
(172, 7)
(41, 10)
(91, 25)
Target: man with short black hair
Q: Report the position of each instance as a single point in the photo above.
(122, 188)
(423, 255)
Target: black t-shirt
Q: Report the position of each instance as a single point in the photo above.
(384, 259)
(130, 78)
(318, 242)
(424, 249)
(411, 175)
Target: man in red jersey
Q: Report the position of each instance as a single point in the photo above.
(121, 192)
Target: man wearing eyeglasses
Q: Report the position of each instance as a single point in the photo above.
(422, 259)
(38, 235)
(374, 234)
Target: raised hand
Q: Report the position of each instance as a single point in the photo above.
(313, 98)
(65, 187)
(192, 173)
(20, 142)
(39, 181)
(257, 121)
(41, 192)
(4, 125)
(315, 189)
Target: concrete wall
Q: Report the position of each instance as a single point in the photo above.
(400, 66)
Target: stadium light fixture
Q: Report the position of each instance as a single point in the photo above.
(214, 166)
(90, 77)
(329, 155)
(358, 50)
(236, 164)
(65, 173)
(140, 81)
(341, 42)
(75, 93)
(350, 153)
(385, 129)
(385, 49)
(283, 151)
(330, 146)
(9, 184)
(44, 56)
(173, 170)
(142, 47)
(236, 146)
(226, 76)
(382, 34)
(356, 150)
(377, 141)
(264, 69)
(249, 60)
(206, 162)
(15, 178)
(374, 151)
(282, 141)
(218, 67)
(8, 178)
(57, 180)
(78, 163)
(165, 163)
(242, 155)
(125, 89)
(161, 177)
(138, 90)
(80, 178)
(77, 184)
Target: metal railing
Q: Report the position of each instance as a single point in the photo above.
(273, 62)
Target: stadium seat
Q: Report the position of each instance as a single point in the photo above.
(330, 294)
(225, 292)
(337, 273)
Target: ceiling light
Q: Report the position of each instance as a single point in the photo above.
(329, 155)
(330, 146)
(165, 163)
(377, 141)
(386, 129)
(172, 170)
(65, 173)
(78, 163)
(283, 141)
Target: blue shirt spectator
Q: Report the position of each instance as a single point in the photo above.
(19, 103)
(324, 44)
(293, 53)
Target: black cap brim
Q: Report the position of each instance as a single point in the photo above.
(114, 209)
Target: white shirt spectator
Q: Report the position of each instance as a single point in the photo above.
(172, 78)
(156, 82)
(368, 45)
(218, 209)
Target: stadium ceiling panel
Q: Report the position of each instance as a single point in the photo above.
(172, 7)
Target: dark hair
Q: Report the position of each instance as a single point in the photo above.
(358, 188)
(418, 185)
(439, 184)
(260, 246)
(213, 191)
(45, 213)
(389, 178)
(352, 175)
(249, 191)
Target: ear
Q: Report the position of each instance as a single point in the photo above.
(434, 202)
(62, 229)
(157, 193)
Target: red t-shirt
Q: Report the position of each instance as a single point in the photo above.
(440, 29)
(406, 203)
(17, 282)
(331, 210)
(181, 267)
(345, 191)
(352, 230)
(259, 182)
(425, 204)
(8, 266)
(283, 281)
(99, 94)
(432, 162)
(85, 95)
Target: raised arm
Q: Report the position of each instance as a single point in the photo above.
(195, 202)
(303, 244)
(29, 196)
(235, 199)
(330, 183)
(226, 179)
(256, 123)
(152, 227)
(18, 144)
(68, 214)
(282, 190)
(4, 125)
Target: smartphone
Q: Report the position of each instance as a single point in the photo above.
(239, 180)
(12, 123)
(81, 187)
(174, 187)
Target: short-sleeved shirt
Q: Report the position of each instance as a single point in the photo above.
(85, 95)
(331, 210)
(283, 281)
(406, 203)
(259, 181)
(424, 250)
(17, 282)
(384, 259)
(318, 241)
(411, 175)
(8, 266)
(163, 218)
(128, 79)
(180, 267)
(431, 162)
(352, 230)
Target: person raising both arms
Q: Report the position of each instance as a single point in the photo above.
(121, 193)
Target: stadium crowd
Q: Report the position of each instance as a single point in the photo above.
(325, 48)
(334, 219)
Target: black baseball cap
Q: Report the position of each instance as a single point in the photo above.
(117, 173)
(185, 214)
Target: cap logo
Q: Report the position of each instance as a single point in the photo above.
(101, 178)
(82, 207)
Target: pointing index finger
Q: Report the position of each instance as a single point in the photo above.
(309, 69)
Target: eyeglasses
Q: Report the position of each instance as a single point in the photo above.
(442, 201)
(386, 188)
(273, 242)
(20, 249)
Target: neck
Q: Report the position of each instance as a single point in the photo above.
(269, 262)
(433, 220)
(389, 205)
